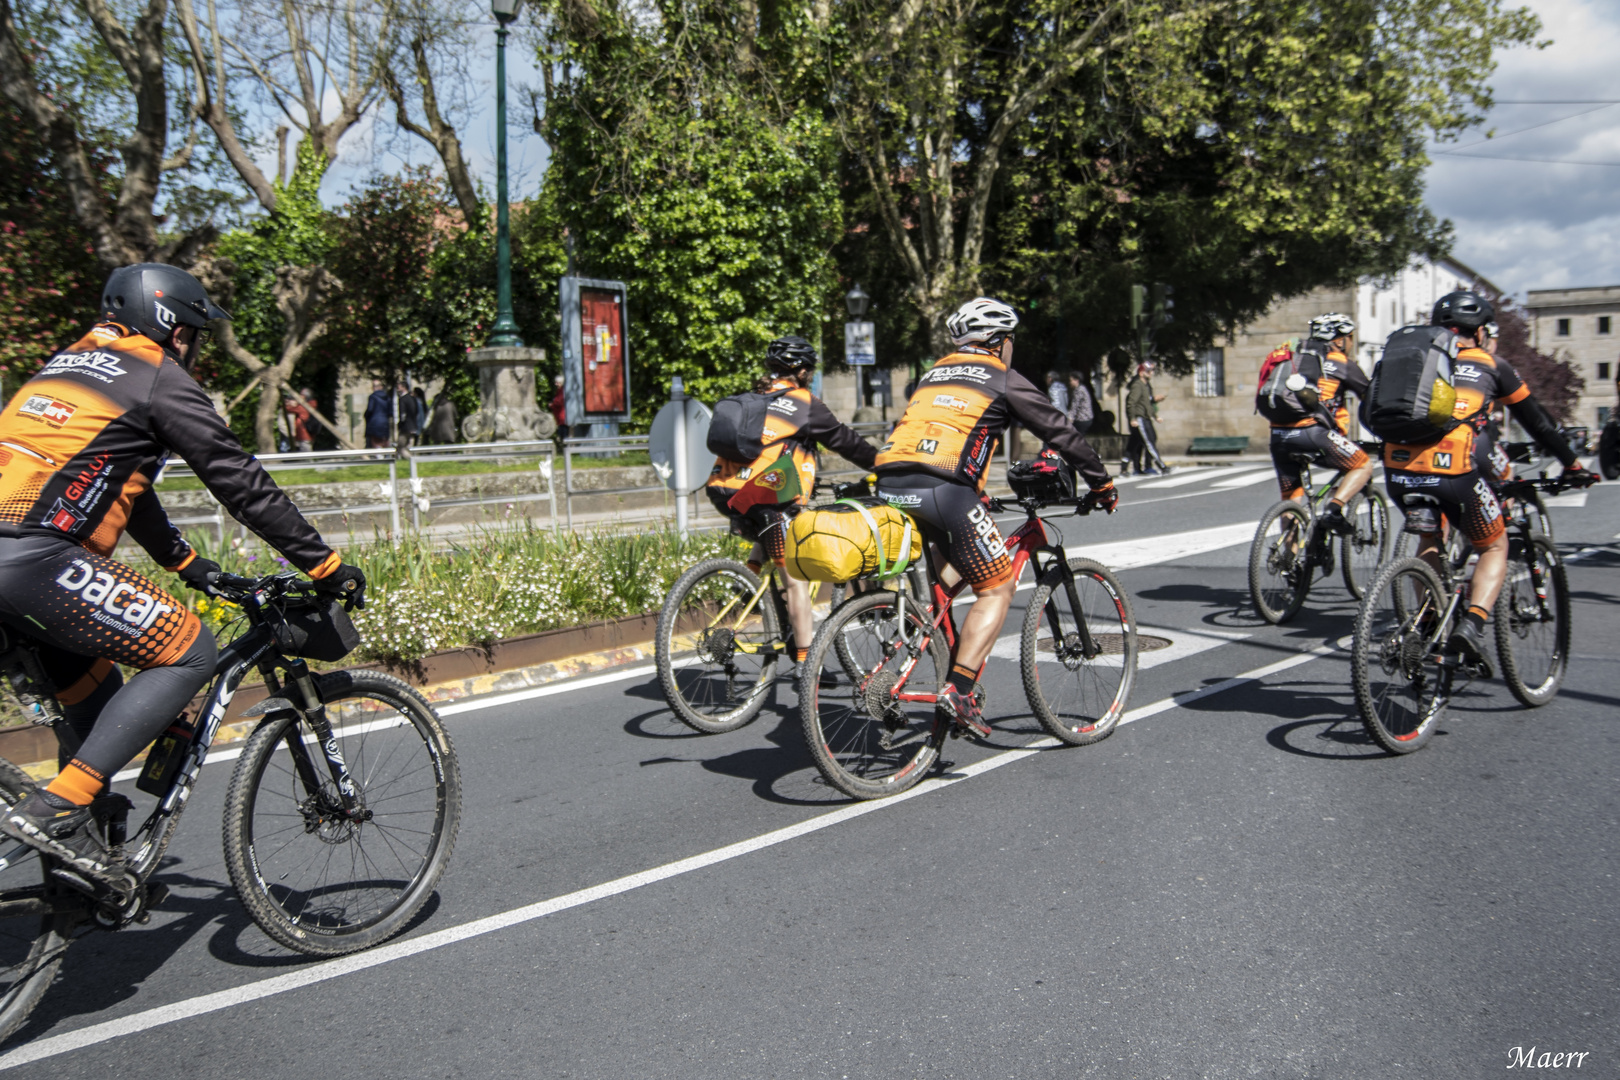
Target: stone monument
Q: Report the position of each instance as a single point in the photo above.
(506, 385)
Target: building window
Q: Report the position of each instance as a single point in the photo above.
(1603, 415)
(1209, 376)
(1603, 324)
(1603, 371)
(1563, 328)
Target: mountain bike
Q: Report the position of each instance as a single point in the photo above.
(723, 632)
(1291, 545)
(339, 820)
(876, 732)
(1402, 675)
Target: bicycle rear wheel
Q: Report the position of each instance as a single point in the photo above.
(1533, 622)
(866, 739)
(1364, 550)
(717, 664)
(31, 942)
(1079, 698)
(1279, 571)
(314, 878)
(1401, 690)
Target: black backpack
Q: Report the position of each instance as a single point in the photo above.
(1273, 400)
(737, 428)
(1411, 397)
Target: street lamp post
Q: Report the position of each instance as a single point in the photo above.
(505, 330)
(510, 409)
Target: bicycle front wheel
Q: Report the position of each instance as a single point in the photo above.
(717, 646)
(1079, 683)
(869, 735)
(1401, 691)
(1279, 571)
(31, 942)
(1532, 622)
(317, 878)
(1364, 550)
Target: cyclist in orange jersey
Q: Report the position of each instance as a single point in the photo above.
(937, 459)
(80, 444)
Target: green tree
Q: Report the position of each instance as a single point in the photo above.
(684, 165)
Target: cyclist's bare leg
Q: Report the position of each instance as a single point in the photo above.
(983, 624)
(1352, 482)
(798, 604)
(1489, 573)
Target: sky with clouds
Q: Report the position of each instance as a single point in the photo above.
(1535, 224)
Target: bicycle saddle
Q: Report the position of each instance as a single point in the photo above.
(1302, 458)
(1422, 513)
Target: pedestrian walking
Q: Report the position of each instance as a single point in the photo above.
(442, 427)
(379, 415)
(1082, 410)
(1141, 409)
(410, 424)
(1057, 391)
(298, 416)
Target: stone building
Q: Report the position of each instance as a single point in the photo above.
(1217, 399)
(1582, 326)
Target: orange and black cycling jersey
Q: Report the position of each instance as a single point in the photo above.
(796, 422)
(81, 442)
(956, 417)
(1480, 379)
(1333, 374)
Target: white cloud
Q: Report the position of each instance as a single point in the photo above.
(1530, 224)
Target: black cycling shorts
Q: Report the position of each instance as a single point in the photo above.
(955, 518)
(767, 526)
(1468, 501)
(1326, 445)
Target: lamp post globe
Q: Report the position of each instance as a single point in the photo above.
(857, 302)
(505, 10)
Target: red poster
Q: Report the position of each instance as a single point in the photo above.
(601, 329)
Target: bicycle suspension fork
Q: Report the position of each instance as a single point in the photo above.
(320, 725)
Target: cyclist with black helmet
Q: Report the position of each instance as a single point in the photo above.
(1325, 373)
(1456, 469)
(758, 497)
(80, 444)
(937, 459)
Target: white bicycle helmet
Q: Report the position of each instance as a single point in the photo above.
(1332, 325)
(981, 321)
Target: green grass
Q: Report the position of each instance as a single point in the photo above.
(379, 470)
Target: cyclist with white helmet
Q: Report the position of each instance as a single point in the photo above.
(937, 459)
(1327, 373)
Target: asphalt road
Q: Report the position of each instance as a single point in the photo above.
(1239, 885)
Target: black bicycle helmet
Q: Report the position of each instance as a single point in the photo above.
(790, 354)
(155, 298)
(1464, 311)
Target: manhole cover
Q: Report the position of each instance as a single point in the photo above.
(1115, 643)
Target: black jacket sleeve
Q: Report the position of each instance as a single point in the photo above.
(184, 420)
(827, 430)
(1036, 412)
(1534, 419)
(150, 527)
(1354, 380)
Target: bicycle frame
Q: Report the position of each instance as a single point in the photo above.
(1029, 541)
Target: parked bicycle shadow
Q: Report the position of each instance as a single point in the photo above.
(102, 970)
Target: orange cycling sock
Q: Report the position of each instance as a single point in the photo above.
(962, 678)
(1477, 615)
(800, 654)
(78, 783)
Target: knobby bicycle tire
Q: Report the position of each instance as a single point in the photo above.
(1364, 551)
(267, 808)
(1079, 700)
(1521, 617)
(865, 742)
(1391, 658)
(33, 948)
(703, 690)
(1280, 579)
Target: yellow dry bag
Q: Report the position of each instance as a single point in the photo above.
(850, 538)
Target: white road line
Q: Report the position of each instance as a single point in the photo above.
(148, 1019)
(1184, 477)
(1245, 480)
(1568, 498)
(1183, 643)
(1152, 550)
